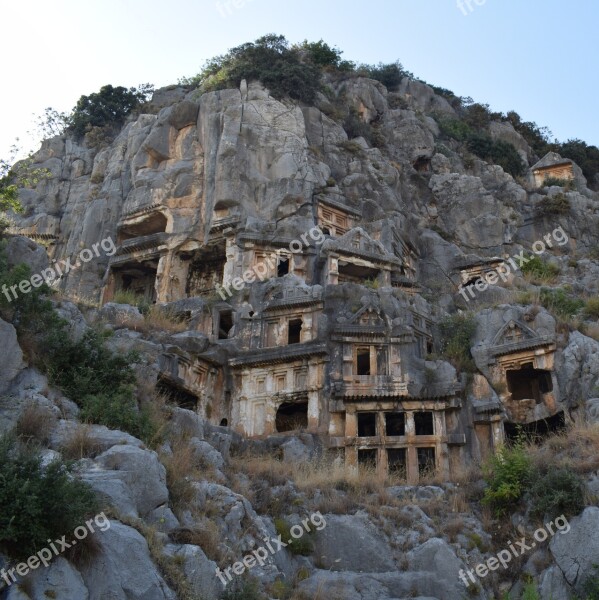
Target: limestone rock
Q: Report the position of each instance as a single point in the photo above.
(11, 357)
(124, 570)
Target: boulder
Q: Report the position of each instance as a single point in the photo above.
(352, 543)
(11, 357)
(577, 551)
(200, 572)
(123, 568)
(20, 250)
(133, 479)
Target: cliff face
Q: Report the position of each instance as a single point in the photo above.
(313, 271)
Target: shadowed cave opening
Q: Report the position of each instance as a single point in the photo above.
(529, 383)
(177, 395)
(537, 430)
(292, 416)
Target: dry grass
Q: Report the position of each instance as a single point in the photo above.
(206, 535)
(80, 445)
(577, 448)
(453, 528)
(156, 320)
(182, 469)
(592, 331)
(35, 423)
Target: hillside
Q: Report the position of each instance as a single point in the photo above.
(294, 292)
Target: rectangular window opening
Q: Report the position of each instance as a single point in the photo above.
(426, 461)
(367, 459)
(366, 424)
(294, 331)
(423, 423)
(396, 459)
(363, 361)
(225, 324)
(395, 424)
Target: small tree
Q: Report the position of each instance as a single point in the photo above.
(109, 106)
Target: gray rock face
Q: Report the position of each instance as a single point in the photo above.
(199, 571)
(124, 569)
(11, 357)
(20, 249)
(578, 368)
(352, 543)
(133, 479)
(577, 550)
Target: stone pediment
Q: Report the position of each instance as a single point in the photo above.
(515, 336)
(551, 159)
(513, 331)
(369, 319)
(358, 242)
(292, 296)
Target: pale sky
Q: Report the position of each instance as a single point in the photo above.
(537, 57)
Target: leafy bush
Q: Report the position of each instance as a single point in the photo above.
(86, 367)
(109, 106)
(591, 310)
(390, 75)
(551, 181)
(246, 590)
(590, 587)
(530, 592)
(456, 339)
(323, 55)
(501, 153)
(36, 503)
(540, 269)
(556, 492)
(585, 156)
(270, 60)
(554, 205)
(507, 474)
(560, 302)
(482, 145)
(301, 546)
(118, 410)
(455, 128)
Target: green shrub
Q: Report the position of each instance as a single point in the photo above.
(301, 546)
(560, 302)
(507, 474)
(118, 410)
(321, 54)
(554, 205)
(556, 492)
(129, 297)
(590, 587)
(591, 310)
(86, 367)
(585, 156)
(37, 504)
(109, 106)
(390, 75)
(270, 60)
(530, 592)
(455, 128)
(456, 339)
(244, 590)
(551, 181)
(540, 269)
